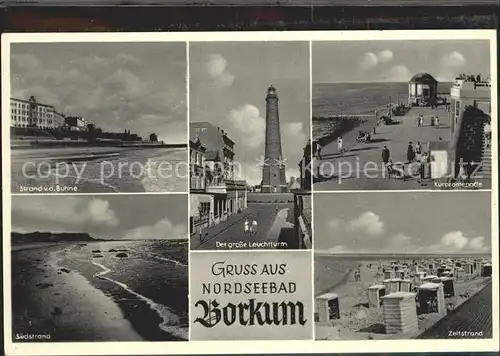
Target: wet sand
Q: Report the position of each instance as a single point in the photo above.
(358, 322)
(61, 304)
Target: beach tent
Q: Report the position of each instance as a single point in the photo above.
(417, 278)
(405, 285)
(389, 274)
(400, 315)
(448, 286)
(328, 307)
(375, 293)
(486, 270)
(431, 299)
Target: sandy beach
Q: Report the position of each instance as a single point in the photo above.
(62, 292)
(98, 170)
(49, 300)
(359, 322)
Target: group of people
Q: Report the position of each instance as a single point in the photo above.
(420, 120)
(414, 153)
(318, 147)
(250, 228)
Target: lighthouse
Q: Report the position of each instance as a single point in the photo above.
(273, 171)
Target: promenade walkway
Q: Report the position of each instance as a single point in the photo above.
(352, 170)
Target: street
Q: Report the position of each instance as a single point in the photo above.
(275, 227)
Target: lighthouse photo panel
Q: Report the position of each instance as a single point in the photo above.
(250, 151)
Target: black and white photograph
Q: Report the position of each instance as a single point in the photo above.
(250, 145)
(401, 115)
(98, 117)
(91, 268)
(403, 265)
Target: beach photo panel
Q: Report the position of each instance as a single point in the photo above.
(90, 268)
(98, 117)
(388, 267)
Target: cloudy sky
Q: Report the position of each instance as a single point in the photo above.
(403, 222)
(136, 86)
(228, 87)
(103, 216)
(397, 61)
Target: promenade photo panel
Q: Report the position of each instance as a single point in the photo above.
(403, 265)
(250, 146)
(401, 115)
(90, 268)
(98, 117)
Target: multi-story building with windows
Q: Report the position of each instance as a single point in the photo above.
(30, 113)
(220, 195)
(76, 123)
(197, 164)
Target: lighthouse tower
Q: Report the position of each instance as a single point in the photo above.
(273, 172)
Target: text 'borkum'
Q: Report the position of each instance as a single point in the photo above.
(251, 313)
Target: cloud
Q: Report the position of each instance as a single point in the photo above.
(368, 223)
(369, 61)
(217, 70)
(68, 214)
(457, 241)
(385, 56)
(400, 240)
(249, 124)
(115, 92)
(335, 224)
(399, 73)
(477, 244)
(454, 59)
(338, 249)
(100, 212)
(163, 229)
(451, 66)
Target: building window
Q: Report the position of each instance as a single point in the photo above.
(204, 209)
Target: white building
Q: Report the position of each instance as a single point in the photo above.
(29, 113)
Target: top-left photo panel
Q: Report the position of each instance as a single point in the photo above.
(98, 117)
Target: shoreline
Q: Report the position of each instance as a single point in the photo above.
(72, 288)
(67, 145)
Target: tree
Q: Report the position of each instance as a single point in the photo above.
(153, 137)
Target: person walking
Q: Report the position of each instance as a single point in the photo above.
(339, 144)
(254, 227)
(247, 226)
(410, 153)
(418, 150)
(318, 150)
(423, 163)
(386, 155)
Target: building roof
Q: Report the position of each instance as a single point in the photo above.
(430, 286)
(327, 296)
(399, 295)
(423, 78)
(29, 102)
